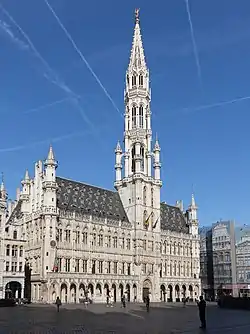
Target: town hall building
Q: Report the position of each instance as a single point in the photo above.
(78, 238)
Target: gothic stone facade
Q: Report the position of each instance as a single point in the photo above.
(80, 237)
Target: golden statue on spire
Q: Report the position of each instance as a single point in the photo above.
(137, 14)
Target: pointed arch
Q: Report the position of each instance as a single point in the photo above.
(141, 116)
(145, 195)
(133, 159)
(142, 154)
(134, 116)
(140, 80)
(133, 80)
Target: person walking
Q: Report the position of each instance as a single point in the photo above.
(202, 312)
(58, 303)
(147, 301)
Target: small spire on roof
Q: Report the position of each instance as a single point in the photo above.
(118, 148)
(51, 153)
(157, 145)
(137, 10)
(26, 176)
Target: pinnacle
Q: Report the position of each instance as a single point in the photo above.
(137, 58)
(51, 154)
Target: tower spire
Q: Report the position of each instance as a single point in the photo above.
(137, 58)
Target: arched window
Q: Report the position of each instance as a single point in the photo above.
(141, 117)
(133, 159)
(15, 234)
(127, 80)
(152, 197)
(140, 80)
(133, 80)
(133, 117)
(145, 195)
(171, 269)
(142, 158)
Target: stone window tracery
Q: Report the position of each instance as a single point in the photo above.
(141, 117)
(133, 117)
(140, 80)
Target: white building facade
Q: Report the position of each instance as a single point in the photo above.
(83, 238)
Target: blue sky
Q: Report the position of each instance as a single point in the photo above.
(206, 147)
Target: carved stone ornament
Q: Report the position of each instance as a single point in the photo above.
(53, 243)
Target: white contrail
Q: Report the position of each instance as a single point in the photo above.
(55, 79)
(48, 105)
(46, 141)
(215, 105)
(82, 57)
(196, 55)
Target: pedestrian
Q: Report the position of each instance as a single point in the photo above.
(58, 303)
(184, 301)
(147, 301)
(123, 301)
(202, 312)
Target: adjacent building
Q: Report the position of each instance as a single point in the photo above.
(243, 264)
(206, 263)
(78, 238)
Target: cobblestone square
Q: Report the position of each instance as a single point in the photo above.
(99, 319)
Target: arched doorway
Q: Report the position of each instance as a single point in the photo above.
(146, 290)
(196, 291)
(98, 289)
(13, 289)
(114, 292)
(135, 292)
(64, 293)
(121, 290)
(128, 292)
(184, 292)
(106, 288)
(163, 293)
(177, 293)
(190, 289)
(91, 289)
(72, 293)
(170, 293)
(81, 291)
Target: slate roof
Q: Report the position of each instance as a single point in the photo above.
(88, 199)
(172, 219)
(16, 213)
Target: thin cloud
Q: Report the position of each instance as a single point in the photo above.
(195, 49)
(215, 105)
(6, 29)
(82, 56)
(51, 76)
(42, 142)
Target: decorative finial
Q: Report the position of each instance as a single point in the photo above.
(137, 14)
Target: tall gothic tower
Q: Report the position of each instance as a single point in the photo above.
(138, 187)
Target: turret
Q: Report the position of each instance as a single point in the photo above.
(49, 183)
(118, 162)
(157, 164)
(192, 216)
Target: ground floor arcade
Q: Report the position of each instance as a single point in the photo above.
(75, 291)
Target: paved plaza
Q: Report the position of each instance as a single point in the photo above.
(98, 319)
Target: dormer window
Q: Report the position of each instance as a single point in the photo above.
(15, 235)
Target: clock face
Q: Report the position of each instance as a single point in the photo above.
(53, 243)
